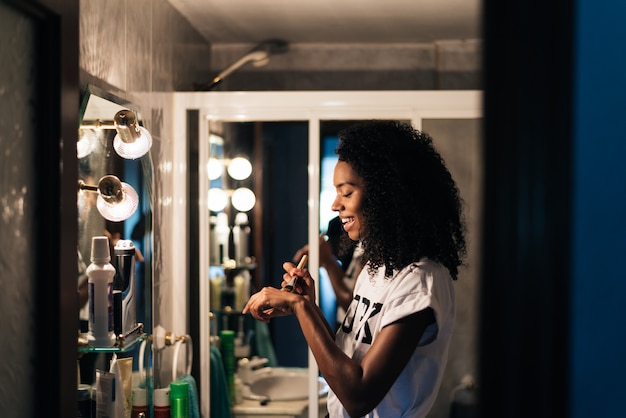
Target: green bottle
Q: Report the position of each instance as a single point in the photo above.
(179, 399)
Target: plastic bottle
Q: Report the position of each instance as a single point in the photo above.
(241, 239)
(179, 399)
(162, 403)
(227, 338)
(100, 275)
(140, 403)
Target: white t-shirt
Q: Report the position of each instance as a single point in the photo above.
(379, 302)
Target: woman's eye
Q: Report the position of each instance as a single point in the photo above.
(347, 194)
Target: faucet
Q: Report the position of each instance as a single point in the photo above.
(247, 368)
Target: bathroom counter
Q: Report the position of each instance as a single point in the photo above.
(283, 409)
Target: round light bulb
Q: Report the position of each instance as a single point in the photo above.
(239, 168)
(217, 199)
(122, 210)
(243, 199)
(86, 143)
(214, 168)
(136, 148)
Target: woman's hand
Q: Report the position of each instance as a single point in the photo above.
(270, 302)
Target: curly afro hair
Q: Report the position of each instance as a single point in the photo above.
(411, 205)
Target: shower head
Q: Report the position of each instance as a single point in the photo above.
(258, 56)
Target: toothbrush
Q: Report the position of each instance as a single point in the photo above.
(292, 283)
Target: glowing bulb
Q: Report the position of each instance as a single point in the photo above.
(239, 168)
(214, 168)
(217, 199)
(119, 208)
(243, 199)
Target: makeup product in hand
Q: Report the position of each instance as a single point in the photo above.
(292, 283)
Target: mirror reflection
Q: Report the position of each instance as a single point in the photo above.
(114, 200)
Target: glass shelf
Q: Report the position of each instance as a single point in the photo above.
(125, 343)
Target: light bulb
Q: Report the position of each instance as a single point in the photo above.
(243, 199)
(86, 143)
(214, 168)
(136, 148)
(120, 206)
(239, 168)
(217, 199)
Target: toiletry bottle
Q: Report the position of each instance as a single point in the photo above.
(124, 285)
(162, 403)
(140, 403)
(179, 399)
(227, 339)
(100, 275)
(222, 235)
(241, 239)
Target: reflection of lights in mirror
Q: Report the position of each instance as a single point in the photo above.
(239, 168)
(218, 199)
(117, 200)
(223, 191)
(214, 168)
(132, 141)
(87, 141)
(243, 199)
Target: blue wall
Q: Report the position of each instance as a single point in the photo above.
(599, 230)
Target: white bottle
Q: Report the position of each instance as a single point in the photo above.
(241, 238)
(100, 275)
(222, 235)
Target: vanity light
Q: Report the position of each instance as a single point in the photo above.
(217, 199)
(117, 200)
(243, 199)
(132, 141)
(239, 168)
(214, 168)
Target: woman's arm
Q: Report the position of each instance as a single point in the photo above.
(359, 386)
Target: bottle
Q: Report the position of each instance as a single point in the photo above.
(100, 275)
(125, 313)
(179, 399)
(227, 339)
(222, 235)
(241, 239)
(140, 403)
(162, 403)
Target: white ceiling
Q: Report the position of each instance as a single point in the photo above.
(333, 21)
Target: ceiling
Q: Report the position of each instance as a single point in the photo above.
(333, 21)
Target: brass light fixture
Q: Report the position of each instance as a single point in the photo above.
(117, 200)
(132, 140)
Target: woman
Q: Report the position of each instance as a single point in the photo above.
(397, 199)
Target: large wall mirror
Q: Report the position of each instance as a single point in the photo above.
(100, 165)
(289, 139)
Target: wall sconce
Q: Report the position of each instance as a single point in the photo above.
(132, 141)
(117, 200)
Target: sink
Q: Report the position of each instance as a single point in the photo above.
(282, 384)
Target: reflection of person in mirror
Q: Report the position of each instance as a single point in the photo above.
(395, 197)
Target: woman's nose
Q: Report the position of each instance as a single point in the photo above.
(336, 206)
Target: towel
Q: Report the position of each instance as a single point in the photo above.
(220, 401)
(262, 344)
(194, 408)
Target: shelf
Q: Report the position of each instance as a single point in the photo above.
(125, 343)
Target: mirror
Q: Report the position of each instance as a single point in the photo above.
(97, 162)
(297, 128)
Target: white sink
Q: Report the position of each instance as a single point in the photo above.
(282, 384)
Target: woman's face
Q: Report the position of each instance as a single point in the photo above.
(349, 199)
